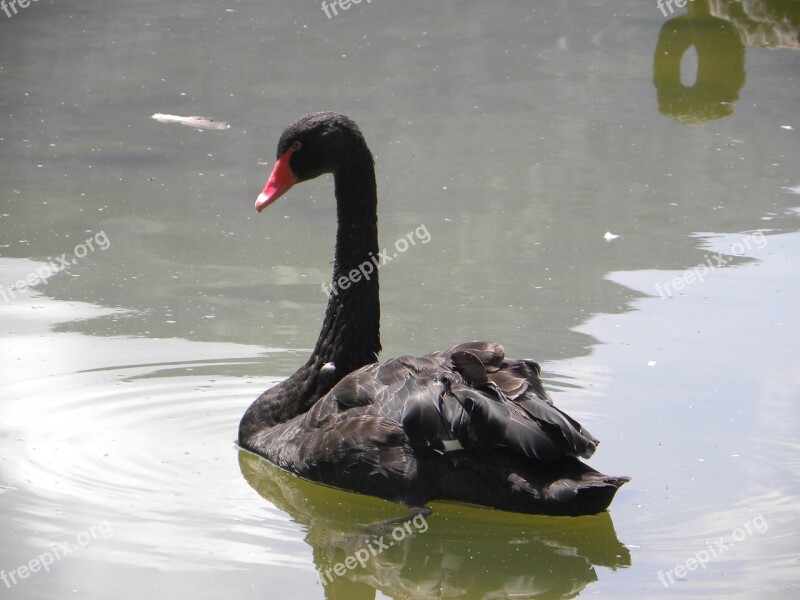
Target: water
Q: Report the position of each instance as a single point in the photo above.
(518, 135)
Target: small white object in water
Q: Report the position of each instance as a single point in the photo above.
(610, 236)
(195, 121)
(651, 363)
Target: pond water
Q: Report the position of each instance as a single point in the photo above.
(612, 190)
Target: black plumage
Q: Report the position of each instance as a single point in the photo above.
(465, 424)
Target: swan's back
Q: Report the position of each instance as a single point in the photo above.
(467, 397)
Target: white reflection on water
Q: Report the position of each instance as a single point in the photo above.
(706, 386)
(147, 446)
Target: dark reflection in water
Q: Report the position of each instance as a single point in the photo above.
(718, 31)
(456, 552)
(720, 67)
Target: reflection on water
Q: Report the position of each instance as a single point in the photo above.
(718, 30)
(143, 449)
(720, 67)
(760, 23)
(464, 553)
(517, 134)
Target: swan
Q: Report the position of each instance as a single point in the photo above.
(465, 424)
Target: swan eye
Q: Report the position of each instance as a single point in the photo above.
(296, 145)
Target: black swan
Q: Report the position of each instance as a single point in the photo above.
(465, 424)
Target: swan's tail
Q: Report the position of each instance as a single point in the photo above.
(506, 481)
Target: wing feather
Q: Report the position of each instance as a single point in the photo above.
(470, 392)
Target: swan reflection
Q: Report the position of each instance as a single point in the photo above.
(458, 551)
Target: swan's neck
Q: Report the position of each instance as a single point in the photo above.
(350, 335)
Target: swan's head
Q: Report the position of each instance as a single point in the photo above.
(315, 144)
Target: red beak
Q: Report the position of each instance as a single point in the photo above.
(279, 182)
